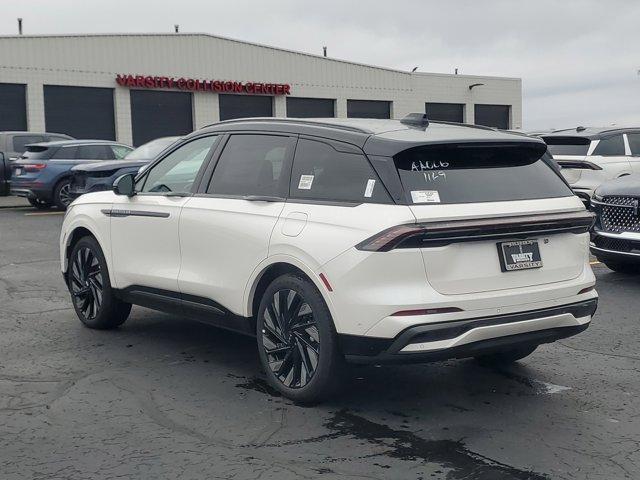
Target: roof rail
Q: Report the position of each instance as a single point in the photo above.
(313, 123)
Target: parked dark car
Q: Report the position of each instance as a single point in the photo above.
(95, 177)
(42, 174)
(12, 144)
(615, 238)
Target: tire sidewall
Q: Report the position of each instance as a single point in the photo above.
(322, 384)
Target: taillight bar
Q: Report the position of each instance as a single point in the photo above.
(434, 234)
(32, 167)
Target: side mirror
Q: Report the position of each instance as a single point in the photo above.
(125, 185)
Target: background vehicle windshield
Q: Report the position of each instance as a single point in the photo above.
(151, 149)
(476, 173)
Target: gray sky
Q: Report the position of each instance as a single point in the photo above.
(578, 60)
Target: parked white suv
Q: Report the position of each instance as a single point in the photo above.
(368, 241)
(592, 156)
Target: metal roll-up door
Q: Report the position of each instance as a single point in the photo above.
(13, 106)
(445, 112)
(243, 106)
(310, 107)
(82, 112)
(496, 116)
(160, 114)
(368, 109)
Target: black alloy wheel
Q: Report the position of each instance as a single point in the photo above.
(94, 301)
(86, 282)
(297, 340)
(290, 338)
(62, 194)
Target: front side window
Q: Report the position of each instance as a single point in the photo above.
(320, 172)
(450, 174)
(177, 171)
(634, 143)
(251, 165)
(610, 146)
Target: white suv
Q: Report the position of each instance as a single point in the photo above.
(592, 156)
(368, 241)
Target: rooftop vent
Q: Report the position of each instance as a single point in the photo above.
(580, 129)
(416, 120)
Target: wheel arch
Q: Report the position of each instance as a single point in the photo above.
(274, 268)
(76, 233)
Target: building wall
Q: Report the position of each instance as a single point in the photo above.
(94, 60)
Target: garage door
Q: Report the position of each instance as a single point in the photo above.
(310, 107)
(243, 106)
(82, 112)
(13, 106)
(445, 112)
(368, 109)
(493, 115)
(160, 114)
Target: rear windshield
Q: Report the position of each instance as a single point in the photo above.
(477, 173)
(36, 153)
(567, 145)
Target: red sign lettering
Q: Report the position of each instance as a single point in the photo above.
(198, 85)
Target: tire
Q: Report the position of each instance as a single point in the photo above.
(626, 268)
(39, 204)
(91, 293)
(506, 357)
(61, 197)
(288, 351)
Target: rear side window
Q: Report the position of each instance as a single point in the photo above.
(474, 173)
(634, 143)
(610, 146)
(65, 153)
(320, 172)
(20, 142)
(578, 146)
(251, 165)
(120, 151)
(94, 152)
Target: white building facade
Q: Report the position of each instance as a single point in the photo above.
(133, 88)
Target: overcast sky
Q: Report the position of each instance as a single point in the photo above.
(578, 60)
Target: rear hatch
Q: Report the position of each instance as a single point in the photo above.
(570, 152)
(30, 164)
(494, 216)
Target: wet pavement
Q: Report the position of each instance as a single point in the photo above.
(164, 397)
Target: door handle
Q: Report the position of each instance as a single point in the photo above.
(262, 198)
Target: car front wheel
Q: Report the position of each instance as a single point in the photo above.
(297, 342)
(91, 293)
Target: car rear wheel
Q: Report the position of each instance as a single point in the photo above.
(39, 204)
(506, 357)
(62, 194)
(626, 268)
(297, 342)
(91, 293)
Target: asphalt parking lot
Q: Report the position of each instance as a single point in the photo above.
(163, 397)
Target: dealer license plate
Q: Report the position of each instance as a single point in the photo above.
(519, 255)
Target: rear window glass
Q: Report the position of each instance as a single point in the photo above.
(37, 153)
(568, 145)
(473, 173)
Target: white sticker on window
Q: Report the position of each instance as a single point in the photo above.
(369, 190)
(305, 182)
(425, 196)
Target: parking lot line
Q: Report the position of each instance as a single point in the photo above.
(36, 214)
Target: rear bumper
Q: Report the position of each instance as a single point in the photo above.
(29, 191)
(471, 337)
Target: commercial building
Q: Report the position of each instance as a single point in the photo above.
(133, 88)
